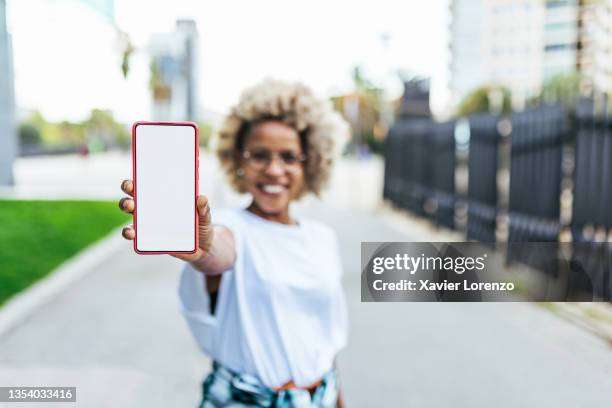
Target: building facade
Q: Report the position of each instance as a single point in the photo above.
(521, 43)
(8, 138)
(594, 46)
(174, 73)
(467, 53)
(496, 42)
(560, 37)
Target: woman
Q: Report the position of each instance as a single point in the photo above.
(262, 295)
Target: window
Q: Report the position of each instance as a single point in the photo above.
(559, 3)
(558, 26)
(559, 47)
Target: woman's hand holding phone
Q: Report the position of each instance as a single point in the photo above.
(205, 227)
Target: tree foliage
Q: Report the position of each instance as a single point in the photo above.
(29, 135)
(205, 131)
(362, 110)
(486, 98)
(100, 129)
(563, 87)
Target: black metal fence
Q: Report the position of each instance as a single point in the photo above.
(592, 209)
(420, 169)
(593, 170)
(535, 182)
(535, 174)
(482, 182)
(421, 162)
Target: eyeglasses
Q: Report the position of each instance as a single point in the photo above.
(261, 159)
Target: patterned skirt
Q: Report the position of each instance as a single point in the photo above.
(225, 388)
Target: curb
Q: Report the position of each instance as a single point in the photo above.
(25, 303)
(594, 317)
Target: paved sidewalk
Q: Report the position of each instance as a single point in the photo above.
(460, 355)
(118, 336)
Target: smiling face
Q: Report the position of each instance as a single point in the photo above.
(273, 171)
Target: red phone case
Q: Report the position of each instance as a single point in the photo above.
(135, 181)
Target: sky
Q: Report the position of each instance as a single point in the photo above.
(66, 55)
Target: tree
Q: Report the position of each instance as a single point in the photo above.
(204, 134)
(29, 135)
(363, 111)
(127, 49)
(103, 128)
(486, 98)
(563, 87)
(161, 91)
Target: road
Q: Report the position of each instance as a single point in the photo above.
(118, 336)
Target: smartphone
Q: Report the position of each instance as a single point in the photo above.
(165, 173)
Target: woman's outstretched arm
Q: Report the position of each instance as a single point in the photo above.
(216, 252)
(219, 255)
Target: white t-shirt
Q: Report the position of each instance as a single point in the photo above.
(280, 312)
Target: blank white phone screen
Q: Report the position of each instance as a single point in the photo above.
(165, 188)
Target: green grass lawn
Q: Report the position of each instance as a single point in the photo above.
(36, 236)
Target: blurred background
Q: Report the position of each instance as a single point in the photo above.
(482, 120)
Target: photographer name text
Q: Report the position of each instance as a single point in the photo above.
(427, 285)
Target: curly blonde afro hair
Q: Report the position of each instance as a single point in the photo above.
(321, 129)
